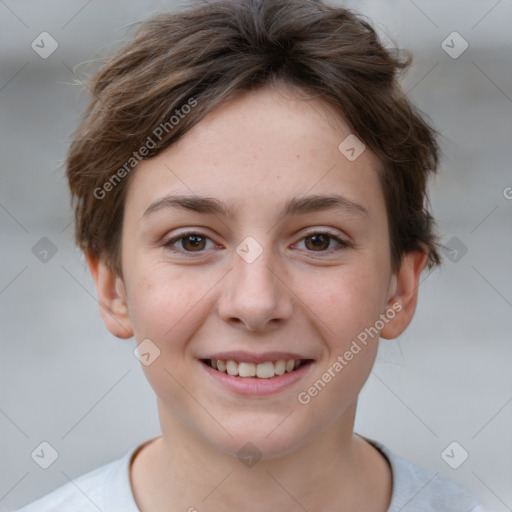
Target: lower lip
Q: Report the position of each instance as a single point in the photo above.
(254, 386)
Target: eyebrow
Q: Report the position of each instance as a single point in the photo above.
(294, 206)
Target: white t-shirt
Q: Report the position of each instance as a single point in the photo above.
(108, 489)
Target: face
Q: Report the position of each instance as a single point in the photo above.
(287, 259)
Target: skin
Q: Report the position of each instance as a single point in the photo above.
(257, 151)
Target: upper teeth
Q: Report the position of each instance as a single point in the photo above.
(262, 370)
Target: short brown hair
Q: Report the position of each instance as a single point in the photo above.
(205, 55)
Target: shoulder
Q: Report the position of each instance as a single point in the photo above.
(104, 488)
(416, 489)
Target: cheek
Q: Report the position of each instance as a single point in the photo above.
(154, 298)
(160, 302)
(166, 309)
(349, 304)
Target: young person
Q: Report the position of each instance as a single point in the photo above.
(251, 187)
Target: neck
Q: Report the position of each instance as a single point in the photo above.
(336, 470)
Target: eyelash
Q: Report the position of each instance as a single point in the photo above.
(168, 244)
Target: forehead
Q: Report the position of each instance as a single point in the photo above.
(259, 149)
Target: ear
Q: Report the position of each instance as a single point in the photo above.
(403, 294)
(111, 297)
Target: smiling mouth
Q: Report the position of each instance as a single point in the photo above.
(266, 370)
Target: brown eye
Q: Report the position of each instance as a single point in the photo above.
(193, 242)
(318, 242)
(189, 242)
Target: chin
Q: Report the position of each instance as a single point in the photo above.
(264, 438)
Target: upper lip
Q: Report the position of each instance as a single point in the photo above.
(248, 357)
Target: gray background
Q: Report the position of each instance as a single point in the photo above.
(65, 380)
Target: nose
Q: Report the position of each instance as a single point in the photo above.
(255, 295)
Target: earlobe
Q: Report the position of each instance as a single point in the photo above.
(403, 294)
(111, 297)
